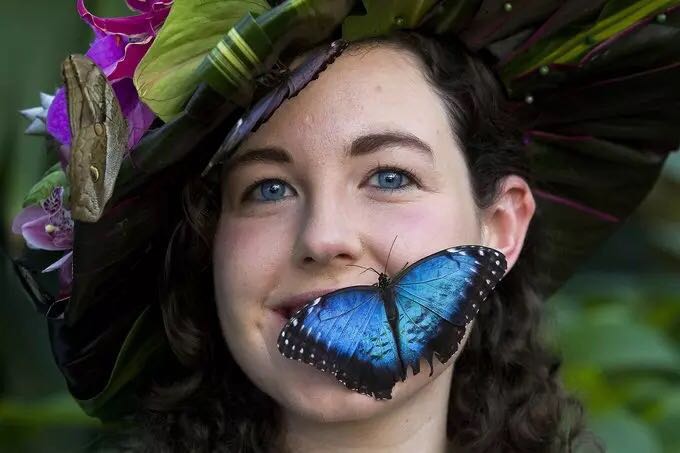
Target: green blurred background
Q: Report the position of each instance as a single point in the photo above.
(617, 323)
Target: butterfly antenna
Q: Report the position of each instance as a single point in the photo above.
(364, 268)
(390, 252)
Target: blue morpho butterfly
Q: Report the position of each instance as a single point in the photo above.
(368, 336)
(291, 83)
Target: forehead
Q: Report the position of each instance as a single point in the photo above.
(365, 90)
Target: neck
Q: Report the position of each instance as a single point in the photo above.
(416, 424)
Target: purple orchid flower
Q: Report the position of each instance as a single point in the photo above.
(49, 226)
(120, 44)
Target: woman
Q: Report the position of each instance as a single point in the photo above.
(399, 137)
(402, 147)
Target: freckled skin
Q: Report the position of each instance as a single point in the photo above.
(332, 216)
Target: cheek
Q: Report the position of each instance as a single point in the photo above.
(426, 226)
(245, 267)
(243, 259)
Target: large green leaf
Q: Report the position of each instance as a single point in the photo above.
(571, 45)
(615, 346)
(625, 433)
(166, 77)
(672, 169)
(384, 16)
(145, 339)
(667, 426)
(52, 178)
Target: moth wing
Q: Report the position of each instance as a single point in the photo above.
(297, 79)
(99, 137)
(72, 70)
(248, 123)
(117, 136)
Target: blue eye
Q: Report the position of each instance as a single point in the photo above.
(275, 190)
(392, 179)
(268, 190)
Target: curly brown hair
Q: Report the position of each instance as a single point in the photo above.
(506, 392)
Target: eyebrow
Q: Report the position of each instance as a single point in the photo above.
(361, 146)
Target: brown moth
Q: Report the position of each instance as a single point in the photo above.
(99, 134)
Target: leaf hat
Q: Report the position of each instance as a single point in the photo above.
(593, 84)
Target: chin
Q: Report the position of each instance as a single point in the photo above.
(325, 401)
(329, 402)
(312, 394)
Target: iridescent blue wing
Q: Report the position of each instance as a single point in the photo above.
(346, 333)
(438, 296)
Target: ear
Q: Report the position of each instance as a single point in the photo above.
(505, 223)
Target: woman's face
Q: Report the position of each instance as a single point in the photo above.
(363, 155)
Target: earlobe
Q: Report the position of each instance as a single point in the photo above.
(505, 223)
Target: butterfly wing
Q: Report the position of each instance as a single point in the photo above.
(263, 109)
(438, 296)
(346, 333)
(100, 137)
(316, 63)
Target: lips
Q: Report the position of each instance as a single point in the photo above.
(291, 304)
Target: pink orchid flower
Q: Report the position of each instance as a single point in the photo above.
(49, 226)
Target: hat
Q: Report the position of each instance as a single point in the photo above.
(593, 85)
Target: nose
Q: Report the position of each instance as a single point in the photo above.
(329, 235)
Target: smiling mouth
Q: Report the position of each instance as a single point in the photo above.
(287, 312)
(289, 306)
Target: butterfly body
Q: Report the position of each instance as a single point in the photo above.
(368, 336)
(391, 313)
